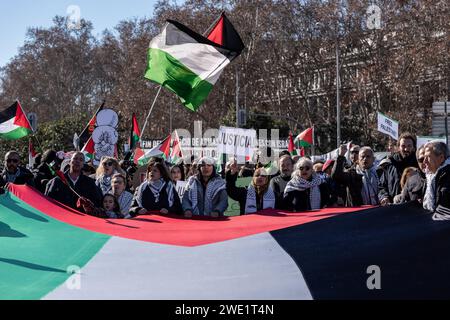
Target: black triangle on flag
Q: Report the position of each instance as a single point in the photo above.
(223, 33)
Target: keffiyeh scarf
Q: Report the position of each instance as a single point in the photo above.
(214, 186)
(370, 181)
(429, 200)
(300, 184)
(250, 203)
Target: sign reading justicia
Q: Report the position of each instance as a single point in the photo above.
(236, 141)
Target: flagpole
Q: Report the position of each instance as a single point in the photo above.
(150, 112)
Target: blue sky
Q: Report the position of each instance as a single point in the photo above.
(18, 15)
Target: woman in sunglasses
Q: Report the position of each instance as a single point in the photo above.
(107, 168)
(306, 190)
(258, 196)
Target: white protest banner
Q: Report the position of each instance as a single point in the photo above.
(387, 126)
(332, 155)
(181, 187)
(421, 140)
(237, 142)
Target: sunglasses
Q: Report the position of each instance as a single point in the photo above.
(12, 160)
(421, 160)
(109, 163)
(305, 168)
(354, 152)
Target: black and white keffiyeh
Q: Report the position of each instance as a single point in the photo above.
(156, 187)
(429, 199)
(370, 181)
(104, 182)
(250, 203)
(300, 184)
(214, 186)
(125, 200)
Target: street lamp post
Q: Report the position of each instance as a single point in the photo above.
(338, 95)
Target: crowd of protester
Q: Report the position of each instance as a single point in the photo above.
(421, 176)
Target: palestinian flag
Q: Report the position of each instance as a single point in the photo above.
(138, 153)
(89, 149)
(13, 123)
(53, 252)
(135, 135)
(291, 146)
(31, 154)
(161, 150)
(87, 132)
(306, 138)
(176, 153)
(189, 64)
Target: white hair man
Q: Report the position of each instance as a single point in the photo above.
(437, 166)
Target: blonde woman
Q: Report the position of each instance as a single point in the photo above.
(306, 190)
(258, 196)
(107, 168)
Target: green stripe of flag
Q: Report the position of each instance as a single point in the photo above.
(15, 134)
(37, 250)
(173, 75)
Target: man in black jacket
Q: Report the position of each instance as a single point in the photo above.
(14, 173)
(389, 185)
(82, 184)
(278, 184)
(437, 195)
(414, 187)
(45, 171)
(361, 181)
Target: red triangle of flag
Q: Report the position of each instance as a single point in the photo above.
(216, 34)
(165, 146)
(89, 147)
(21, 119)
(224, 34)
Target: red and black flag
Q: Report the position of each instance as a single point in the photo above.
(135, 135)
(223, 33)
(87, 132)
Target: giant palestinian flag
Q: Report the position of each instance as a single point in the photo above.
(189, 64)
(49, 251)
(14, 123)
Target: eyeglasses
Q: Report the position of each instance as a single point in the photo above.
(109, 163)
(12, 160)
(354, 151)
(305, 168)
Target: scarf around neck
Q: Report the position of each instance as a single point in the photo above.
(250, 203)
(214, 186)
(300, 184)
(370, 181)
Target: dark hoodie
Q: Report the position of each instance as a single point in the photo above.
(389, 185)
